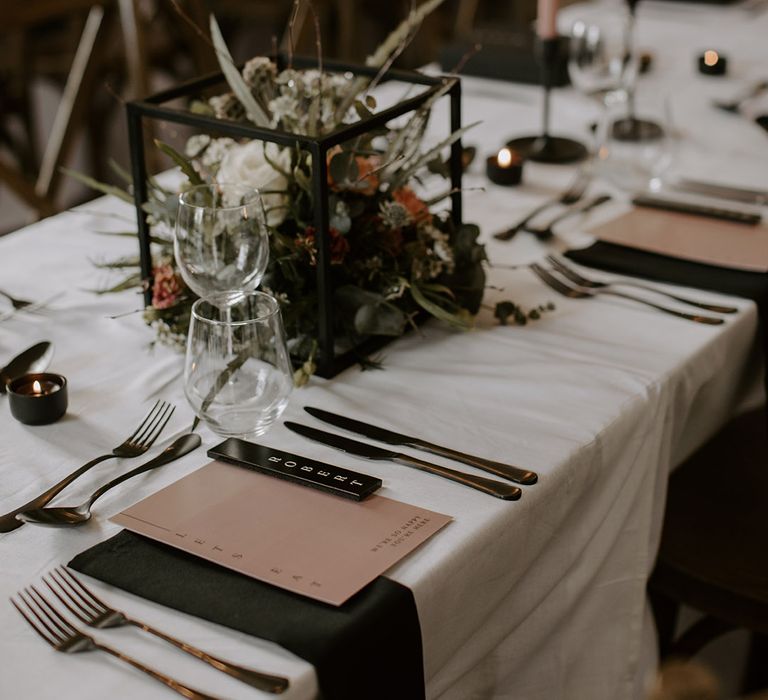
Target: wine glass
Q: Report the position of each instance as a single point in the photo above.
(221, 243)
(598, 62)
(237, 372)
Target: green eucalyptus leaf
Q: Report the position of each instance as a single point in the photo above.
(120, 171)
(380, 319)
(302, 180)
(343, 167)
(503, 310)
(456, 320)
(350, 297)
(99, 186)
(186, 166)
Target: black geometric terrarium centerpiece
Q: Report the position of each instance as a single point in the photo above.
(357, 252)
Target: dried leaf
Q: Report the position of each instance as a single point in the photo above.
(243, 93)
(99, 186)
(405, 175)
(129, 282)
(382, 54)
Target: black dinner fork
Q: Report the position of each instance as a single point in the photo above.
(545, 232)
(94, 612)
(582, 281)
(133, 446)
(571, 195)
(57, 631)
(581, 293)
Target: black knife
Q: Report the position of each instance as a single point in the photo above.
(506, 471)
(33, 359)
(500, 489)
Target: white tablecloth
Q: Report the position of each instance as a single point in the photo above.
(540, 598)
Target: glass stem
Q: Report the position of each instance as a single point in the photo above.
(629, 48)
(548, 49)
(230, 339)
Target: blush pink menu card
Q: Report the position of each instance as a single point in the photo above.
(308, 542)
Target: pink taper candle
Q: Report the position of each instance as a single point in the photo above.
(546, 22)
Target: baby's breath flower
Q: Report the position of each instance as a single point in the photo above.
(196, 144)
(284, 107)
(216, 151)
(227, 106)
(259, 73)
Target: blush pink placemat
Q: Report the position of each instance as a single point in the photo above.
(688, 237)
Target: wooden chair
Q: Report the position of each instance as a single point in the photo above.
(714, 546)
(89, 26)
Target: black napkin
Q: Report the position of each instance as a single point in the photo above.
(630, 261)
(370, 647)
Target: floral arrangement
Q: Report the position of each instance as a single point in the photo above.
(394, 254)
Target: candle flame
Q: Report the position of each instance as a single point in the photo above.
(711, 58)
(36, 387)
(504, 158)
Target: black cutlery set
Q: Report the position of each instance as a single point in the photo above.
(492, 487)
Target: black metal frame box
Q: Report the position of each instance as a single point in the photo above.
(156, 107)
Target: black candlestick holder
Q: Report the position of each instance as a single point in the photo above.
(545, 148)
(632, 128)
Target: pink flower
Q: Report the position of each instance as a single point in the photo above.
(339, 245)
(167, 287)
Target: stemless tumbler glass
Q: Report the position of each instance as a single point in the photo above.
(237, 373)
(221, 243)
(642, 162)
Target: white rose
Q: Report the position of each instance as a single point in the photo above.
(245, 164)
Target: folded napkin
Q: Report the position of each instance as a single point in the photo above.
(631, 261)
(640, 263)
(370, 647)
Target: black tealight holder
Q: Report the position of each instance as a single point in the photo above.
(712, 63)
(546, 148)
(38, 399)
(505, 168)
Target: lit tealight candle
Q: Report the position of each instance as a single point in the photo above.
(505, 168)
(504, 158)
(37, 388)
(37, 399)
(712, 63)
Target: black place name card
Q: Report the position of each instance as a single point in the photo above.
(299, 470)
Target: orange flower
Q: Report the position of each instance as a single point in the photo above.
(416, 208)
(366, 182)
